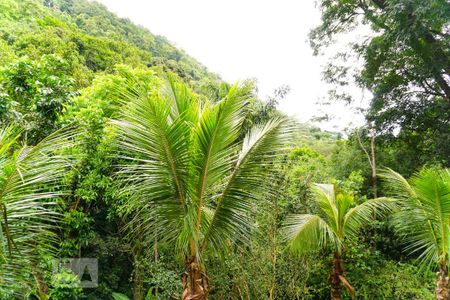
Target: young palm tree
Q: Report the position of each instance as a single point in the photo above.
(338, 221)
(424, 219)
(30, 184)
(190, 180)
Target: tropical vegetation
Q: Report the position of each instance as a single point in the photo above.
(338, 223)
(192, 182)
(424, 218)
(119, 147)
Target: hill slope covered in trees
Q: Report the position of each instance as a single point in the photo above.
(88, 37)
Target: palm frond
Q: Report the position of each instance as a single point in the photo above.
(247, 182)
(154, 135)
(419, 235)
(361, 214)
(325, 199)
(155, 149)
(424, 218)
(8, 136)
(309, 233)
(30, 186)
(218, 130)
(396, 185)
(185, 104)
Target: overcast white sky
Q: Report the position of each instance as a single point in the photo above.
(238, 39)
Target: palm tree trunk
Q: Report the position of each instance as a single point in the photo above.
(195, 284)
(42, 287)
(442, 283)
(335, 277)
(138, 283)
(156, 256)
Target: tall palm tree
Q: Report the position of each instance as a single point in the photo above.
(424, 219)
(30, 184)
(190, 180)
(338, 221)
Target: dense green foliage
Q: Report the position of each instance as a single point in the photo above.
(72, 64)
(191, 181)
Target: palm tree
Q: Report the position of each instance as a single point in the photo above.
(424, 219)
(30, 184)
(189, 178)
(338, 221)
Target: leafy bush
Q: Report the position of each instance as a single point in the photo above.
(375, 277)
(65, 285)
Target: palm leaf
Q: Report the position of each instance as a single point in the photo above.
(308, 233)
(361, 214)
(155, 149)
(325, 198)
(31, 184)
(218, 129)
(424, 218)
(247, 182)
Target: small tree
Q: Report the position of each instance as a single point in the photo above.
(338, 221)
(190, 179)
(424, 219)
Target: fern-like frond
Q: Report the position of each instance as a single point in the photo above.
(326, 200)
(31, 182)
(246, 183)
(361, 214)
(424, 218)
(309, 233)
